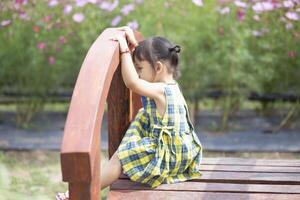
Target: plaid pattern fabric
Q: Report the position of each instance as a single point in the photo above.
(156, 149)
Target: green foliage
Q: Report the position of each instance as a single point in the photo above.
(236, 51)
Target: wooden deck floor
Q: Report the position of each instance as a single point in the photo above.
(223, 179)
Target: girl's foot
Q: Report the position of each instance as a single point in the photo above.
(62, 196)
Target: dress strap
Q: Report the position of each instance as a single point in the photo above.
(144, 101)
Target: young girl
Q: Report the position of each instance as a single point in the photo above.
(160, 145)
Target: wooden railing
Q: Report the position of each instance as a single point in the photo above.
(99, 81)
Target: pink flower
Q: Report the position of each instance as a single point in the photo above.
(292, 54)
(47, 18)
(92, 1)
(62, 40)
(292, 15)
(81, 3)
(78, 17)
(241, 14)
(6, 22)
(41, 45)
(224, 11)
(53, 3)
(133, 24)
(67, 9)
(240, 4)
(263, 6)
(288, 4)
(198, 2)
(109, 6)
(126, 9)
(116, 20)
(20, 1)
(51, 60)
(23, 15)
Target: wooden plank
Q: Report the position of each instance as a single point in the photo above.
(123, 184)
(245, 177)
(80, 158)
(80, 139)
(123, 105)
(118, 115)
(251, 161)
(179, 195)
(250, 168)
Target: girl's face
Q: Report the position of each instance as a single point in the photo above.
(144, 70)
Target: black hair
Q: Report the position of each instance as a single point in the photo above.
(156, 49)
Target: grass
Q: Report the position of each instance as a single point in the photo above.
(33, 175)
(36, 174)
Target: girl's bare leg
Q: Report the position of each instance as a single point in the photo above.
(111, 171)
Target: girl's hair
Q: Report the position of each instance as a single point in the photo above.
(159, 48)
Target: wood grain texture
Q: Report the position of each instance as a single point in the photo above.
(223, 178)
(123, 104)
(123, 184)
(180, 195)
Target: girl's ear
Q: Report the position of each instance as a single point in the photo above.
(159, 67)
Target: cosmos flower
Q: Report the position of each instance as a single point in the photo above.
(41, 45)
(288, 4)
(240, 4)
(292, 15)
(241, 13)
(53, 3)
(198, 2)
(80, 3)
(109, 6)
(292, 54)
(62, 39)
(6, 22)
(263, 6)
(116, 20)
(133, 24)
(224, 11)
(67, 9)
(126, 9)
(78, 17)
(51, 60)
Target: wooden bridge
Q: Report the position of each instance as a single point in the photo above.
(100, 82)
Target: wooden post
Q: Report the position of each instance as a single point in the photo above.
(80, 148)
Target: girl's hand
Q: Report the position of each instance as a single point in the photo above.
(122, 42)
(132, 42)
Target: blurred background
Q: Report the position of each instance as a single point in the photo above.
(240, 74)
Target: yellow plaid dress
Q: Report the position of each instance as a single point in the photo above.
(155, 149)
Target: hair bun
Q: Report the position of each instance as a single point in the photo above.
(175, 48)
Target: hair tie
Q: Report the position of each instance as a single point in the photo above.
(175, 48)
